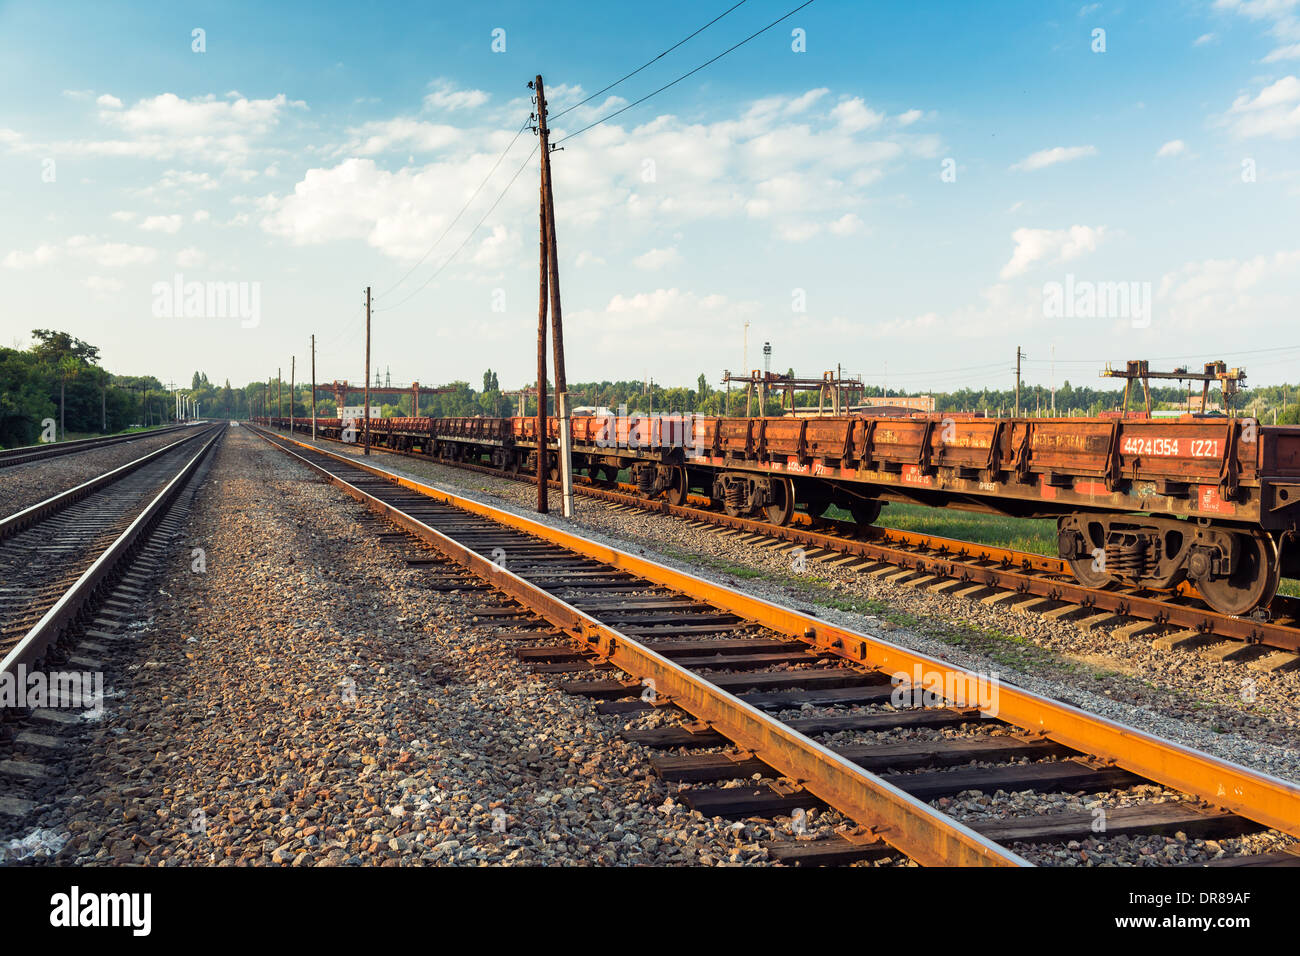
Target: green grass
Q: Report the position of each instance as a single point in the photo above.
(1011, 651)
(77, 436)
(1035, 535)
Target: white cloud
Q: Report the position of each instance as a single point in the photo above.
(166, 126)
(790, 161)
(168, 224)
(680, 322)
(910, 117)
(446, 96)
(1203, 39)
(380, 136)
(1258, 9)
(171, 115)
(1172, 148)
(802, 103)
(1050, 245)
(103, 287)
(41, 255)
(798, 231)
(854, 115)
(182, 180)
(1208, 292)
(1275, 111)
(846, 225)
(124, 215)
(1050, 157)
(657, 259)
(110, 255)
(1283, 17)
(189, 257)
(201, 215)
(106, 255)
(586, 258)
(494, 250)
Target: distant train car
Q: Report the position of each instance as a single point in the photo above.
(1149, 502)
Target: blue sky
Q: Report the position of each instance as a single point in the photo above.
(898, 198)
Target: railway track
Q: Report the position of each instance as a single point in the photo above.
(72, 571)
(55, 554)
(769, 692)
(30, 453)
(1176, 619)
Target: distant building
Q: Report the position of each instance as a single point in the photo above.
(914, 403)
(354, 412)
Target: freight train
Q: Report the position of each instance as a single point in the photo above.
(1148, 503)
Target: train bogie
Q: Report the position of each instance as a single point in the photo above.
(1146, 503)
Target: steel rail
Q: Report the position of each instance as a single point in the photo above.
(27, 453)
(30, 515)
(33, 645)
(1258, 796)
(1012, 570)
(910, 825)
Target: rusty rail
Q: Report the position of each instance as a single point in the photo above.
(1023, 572)
(906, 823)
(1265, 799)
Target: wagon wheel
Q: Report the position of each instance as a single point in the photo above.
(781, 509)
(1086, 574)
(678, 488)
(816, 501)
(864, 510)
(1252, 583)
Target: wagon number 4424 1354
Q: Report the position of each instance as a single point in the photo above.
(1172, 447)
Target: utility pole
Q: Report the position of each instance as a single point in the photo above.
(557, 325)
(293, 361)
(365, 411)
(543, 473)
(313, 387)
(1053, 381)
(1017, 415)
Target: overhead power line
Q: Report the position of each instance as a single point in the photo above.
(446, 262)
(628, 76)
(451, 225)
(607, 118)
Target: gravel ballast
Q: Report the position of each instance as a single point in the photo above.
(1224, 708)
(306, 701)
(22, 486)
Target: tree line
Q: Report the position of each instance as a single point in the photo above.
(59, 379)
